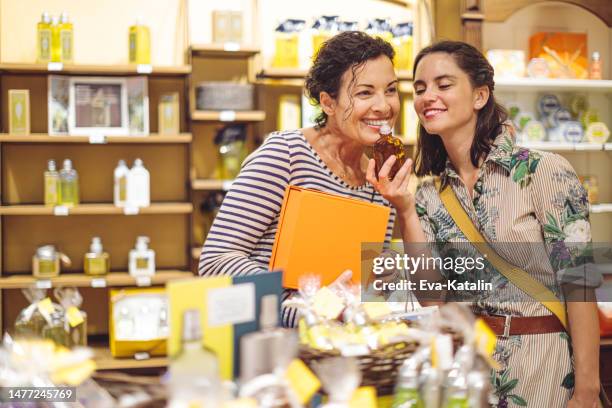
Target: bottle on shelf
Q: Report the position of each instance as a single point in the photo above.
(76, 319)
(120, 184)
(142, 259)
(51, 184)
(595, 68)
(69, 185)
(194, 370)
(139, 43)
(43, 41)
(56, 42)
(138, 186)
(46, 262)
(96, 261)
(66, 38)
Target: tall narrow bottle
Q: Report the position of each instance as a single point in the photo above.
(120, 184)
(66, 39)
(51, 184)
(56, 42)
(43, 41)
(69, 185)
(138, 185)
(194, 370)
(139, 43)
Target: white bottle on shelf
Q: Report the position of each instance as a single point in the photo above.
(120, 184)
(138, 186)
(142, 259)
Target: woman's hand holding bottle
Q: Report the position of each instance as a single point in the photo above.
(395, 191)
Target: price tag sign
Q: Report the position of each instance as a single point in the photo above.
(60, 210)
(142, 355)
(227, 116)
(55, 66)
(231, 46)
(144, 68)
(43, 284)
(97, 138)
(131, 210)
(98, 283)
(143, 281)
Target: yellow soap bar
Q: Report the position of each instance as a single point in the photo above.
(302, 381)
(327, 304)
(363, 397)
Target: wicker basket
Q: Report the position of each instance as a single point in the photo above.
(378, 369)
(224, 96)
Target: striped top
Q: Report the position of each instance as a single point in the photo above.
(242, 235)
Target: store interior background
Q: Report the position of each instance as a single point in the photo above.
(182, 173)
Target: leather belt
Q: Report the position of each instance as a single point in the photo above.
(504, 326)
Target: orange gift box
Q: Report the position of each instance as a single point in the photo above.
(322, 234)
(605, 319)
(565, 53)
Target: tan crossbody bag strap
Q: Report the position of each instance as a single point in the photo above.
(514, 274)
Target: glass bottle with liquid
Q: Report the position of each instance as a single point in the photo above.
(386, 146)
(46, 262)
(194, 370)
(43, 41)
(407, 387)
(66, 38)
(51, 184)
(56, 41)
(595, 68)
(139, 43)
(69, 185)
(96, 262)
(142, 259)
(75, 318)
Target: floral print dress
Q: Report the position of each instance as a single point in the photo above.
(528, 205)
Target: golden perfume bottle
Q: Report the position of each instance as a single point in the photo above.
(51, 184)
(387, 146)
(66, 38)
(43, 41)
(56, 44)
(69, 185)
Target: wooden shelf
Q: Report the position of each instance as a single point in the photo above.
(229, 116)
(300, 73)
(97, 209)
(536, 84)
(45, 138)
(228, 50)
(564, 146)
(24, 68)
(601, 208)
(211, 185)
(105, 361)
(113, 279)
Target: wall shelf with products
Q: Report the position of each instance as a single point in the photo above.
(45, 138)
(227, 50)
(105, 361)
(566, 147)
(228, 116)
(553, 85)
(95, 209)
(78, 69)
(112, 279)
(211, 184)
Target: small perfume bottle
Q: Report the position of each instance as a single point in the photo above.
(139, 43)
(142, 259)
(43, 45)
(595, 69)
(120, 184)
(66, 38)
(385, 147)
(51, 184)
(69, 185)
(56, 42)
(96, 261)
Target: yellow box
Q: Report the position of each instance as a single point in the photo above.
(19, 111)
(322, 234)
(149, 297)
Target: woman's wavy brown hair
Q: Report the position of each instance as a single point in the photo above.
(431, 155)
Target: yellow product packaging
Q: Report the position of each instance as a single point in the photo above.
(139, 44)
(287, 52)
(403, 43)
(138, 321)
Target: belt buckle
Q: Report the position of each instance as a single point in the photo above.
(507, 323)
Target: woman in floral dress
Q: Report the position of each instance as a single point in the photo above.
(512, 195)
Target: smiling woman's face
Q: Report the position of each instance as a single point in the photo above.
(364, 104)
(445, 99)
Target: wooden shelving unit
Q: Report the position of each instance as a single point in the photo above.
(211, 185)
(113, 279)
(228, 50)
(105, 361)
(45, 138)
(81, 69)
(228, 116)
(299, 73)
(96, 209)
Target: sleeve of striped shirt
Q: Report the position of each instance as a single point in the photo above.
(251, 205)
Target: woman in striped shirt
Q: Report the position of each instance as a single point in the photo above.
(512, 195)
(353, 80)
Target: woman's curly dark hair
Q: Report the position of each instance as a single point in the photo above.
(347, 50)
(430, 152)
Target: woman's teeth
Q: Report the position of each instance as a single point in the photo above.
(432, 112)
(375, 122)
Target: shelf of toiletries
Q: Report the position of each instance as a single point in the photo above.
(97, 209)
(229, 116)
(572, 147)
(112, 279)
(552, 84)
(211, 185)
(298, 73)
(105, 361)
(226, 50)
(87, 69)
(96, 139)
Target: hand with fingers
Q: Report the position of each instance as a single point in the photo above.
(395, 191)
